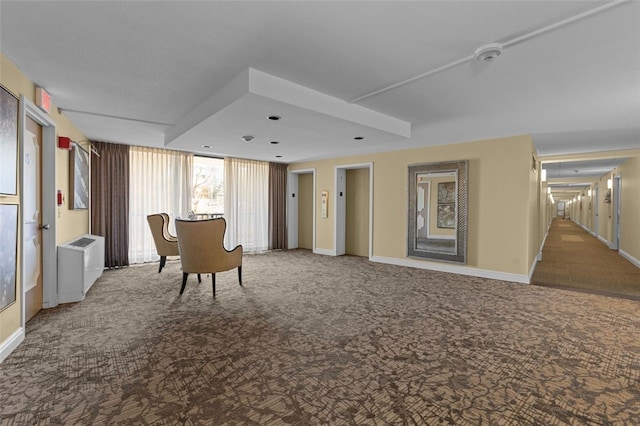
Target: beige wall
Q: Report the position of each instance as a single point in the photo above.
(305, 211)
(605, 222)
(581, 210)
(629, 173)
(70, 223)
(499, 200)
(357, 213)
(630, 206)
(547, 210)
(534, 191)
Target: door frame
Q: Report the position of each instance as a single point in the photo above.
(48, 206)
(340, 207)
(596, 211)
(615, 237)
(292, 207)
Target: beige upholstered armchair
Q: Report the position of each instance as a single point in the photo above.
(166, 244)
(202, 250)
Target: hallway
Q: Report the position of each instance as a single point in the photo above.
(574, 259)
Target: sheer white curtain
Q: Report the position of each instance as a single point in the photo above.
(160, 180)
(246, 204)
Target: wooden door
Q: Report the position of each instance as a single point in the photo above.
(32, 216)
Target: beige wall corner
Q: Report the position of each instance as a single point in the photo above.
(70, 223)
(629, 172)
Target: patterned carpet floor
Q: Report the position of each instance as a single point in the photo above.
(573, 258)
(315, 340)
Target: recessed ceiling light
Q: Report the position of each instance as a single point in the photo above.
(247, 138)
(206, 146)
(274, 117)
(278, 156)
(274, 142)
(359, 138)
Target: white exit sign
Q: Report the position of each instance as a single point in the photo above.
(43, 100)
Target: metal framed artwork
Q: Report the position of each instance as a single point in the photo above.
(8, 253)
(437, 226)
(78, 178)
(8, 143)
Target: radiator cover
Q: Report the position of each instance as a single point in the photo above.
(80, 264)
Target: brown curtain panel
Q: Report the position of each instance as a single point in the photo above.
(277, 206)
(110, 201)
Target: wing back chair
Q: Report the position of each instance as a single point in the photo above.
(202, 249)
(166, 244)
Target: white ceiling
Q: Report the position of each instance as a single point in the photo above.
(569, 178)
(581, 170)
(158, 73)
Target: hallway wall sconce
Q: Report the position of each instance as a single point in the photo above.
(609, 184)
(549, 190)
(543, 175)
(589, 192)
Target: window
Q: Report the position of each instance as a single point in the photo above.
(208, 186)
(160, 181)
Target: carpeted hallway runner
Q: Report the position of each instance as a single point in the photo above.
(573, 258)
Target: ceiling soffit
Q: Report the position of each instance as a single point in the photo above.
(310, 119)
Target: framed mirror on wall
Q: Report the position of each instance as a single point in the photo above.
(437, 222)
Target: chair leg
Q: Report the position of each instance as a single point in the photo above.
(184, 282)
(240, 275)
(199, 278)
(213, 284)
(163, 260)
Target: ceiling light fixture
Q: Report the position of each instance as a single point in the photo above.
(247, 138)
(274, 142)
(488, 52)
(359, 138)
(278, 156)
(206, 146)
(274, 117)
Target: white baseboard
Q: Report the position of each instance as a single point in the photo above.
(11, 343)
(533, 267)
(544, 240)
(453, 269)
(607, 243)
(325, 252)
(586, 229)
(629, 258)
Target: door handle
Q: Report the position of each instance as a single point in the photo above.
(44, 226)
